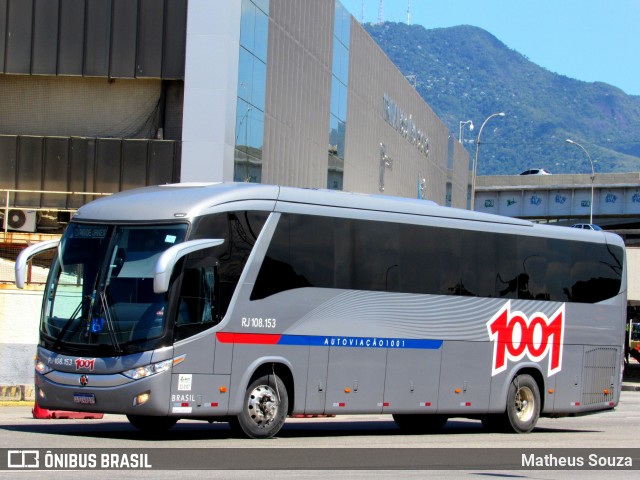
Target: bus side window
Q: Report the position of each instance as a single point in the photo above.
(197, 303)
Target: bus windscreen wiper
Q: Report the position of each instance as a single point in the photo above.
(109, 320)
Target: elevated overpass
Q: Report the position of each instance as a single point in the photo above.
(563, 198)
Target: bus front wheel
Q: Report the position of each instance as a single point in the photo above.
(264, 408)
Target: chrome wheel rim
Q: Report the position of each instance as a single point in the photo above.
(262, 405)
(525, 404)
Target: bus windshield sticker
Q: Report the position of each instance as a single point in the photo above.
(86, 231)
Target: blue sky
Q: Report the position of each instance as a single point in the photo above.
(590, 40)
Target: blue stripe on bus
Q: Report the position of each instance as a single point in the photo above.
(359, 342)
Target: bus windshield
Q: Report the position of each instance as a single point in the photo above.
(100, 291)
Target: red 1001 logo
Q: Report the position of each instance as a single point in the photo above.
(85, 363)
(516, 335)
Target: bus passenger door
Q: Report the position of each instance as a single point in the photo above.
(195, 390)
(355, 377)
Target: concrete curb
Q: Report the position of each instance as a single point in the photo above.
(17, 393)
(631, 387)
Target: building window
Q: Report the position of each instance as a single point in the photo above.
(339, 84)
(252, 79)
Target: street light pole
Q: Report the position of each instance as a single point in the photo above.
(462, 124)
(593, 176)
(475, 163)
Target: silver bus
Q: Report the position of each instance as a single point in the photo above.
(248, 303)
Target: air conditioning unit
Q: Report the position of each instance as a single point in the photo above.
(20, 220)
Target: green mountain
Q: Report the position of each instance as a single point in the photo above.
(465, 73)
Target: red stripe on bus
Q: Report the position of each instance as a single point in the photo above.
(251, 338)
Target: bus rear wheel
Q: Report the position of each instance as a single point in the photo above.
(523, 407)
(264, 408)
(149, 424)
(420, 423)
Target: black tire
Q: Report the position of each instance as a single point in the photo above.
(523, 408)
(523, 404)
(420, 423)
(149, 424)
(264, 408)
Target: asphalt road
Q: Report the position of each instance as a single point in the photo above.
(342, 435)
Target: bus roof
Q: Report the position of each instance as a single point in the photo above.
(190, 200)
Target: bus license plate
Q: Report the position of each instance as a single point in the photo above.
(84, 398)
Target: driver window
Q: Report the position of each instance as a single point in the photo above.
(197, 303)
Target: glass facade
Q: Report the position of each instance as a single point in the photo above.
(339, 83)
(252, 79)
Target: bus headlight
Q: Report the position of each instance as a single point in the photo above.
(41, 367)
(148, 370)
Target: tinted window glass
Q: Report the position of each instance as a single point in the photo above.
(506, 268)
(595, 272)
(239, 230)
(310, 251)
(198, 307)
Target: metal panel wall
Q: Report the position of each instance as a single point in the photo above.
(134, 164)
(106, 38)
(44, 55)
(56, 168)
(164, 162)
(150, 28)
(75, 164)
(81, 170)
(71, 37)
(123, 36)
(18, 36)
(97, 38)
(174, 39)
(8, 161)
(108, 164)
(29, 170)
(3, 32)
(298, 95)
